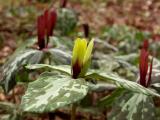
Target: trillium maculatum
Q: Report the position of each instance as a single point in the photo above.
(143, 66)
(81, 57)
(45, 25)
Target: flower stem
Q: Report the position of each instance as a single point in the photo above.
(73, 111)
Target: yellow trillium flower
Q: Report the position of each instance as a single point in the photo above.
(81, 55)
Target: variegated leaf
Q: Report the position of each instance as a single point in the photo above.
(16, 63)
(122, 83)
(61, 68)
(52, 91)
(62, 43)
(26, 44)
(67, 21)
(59, 56)
(133, 106)
(108, 100)
(10, 111)
(6, 106)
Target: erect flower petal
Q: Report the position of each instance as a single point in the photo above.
(87, 55)
(79, 51)
(82, 50)
(143, 66)
(46, 15)
(75, 51)
(45, 26)
(144, 60)
(145, 44)
(41, 31)
(150, 73)
(51, 22)
(86, 30)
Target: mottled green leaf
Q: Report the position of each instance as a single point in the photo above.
(133, 106)
(6, 106)
(111, 63)
(61, 68)
(108, 100)
(104, 47)
(122, 83)
(156, 87)
(128, 38)
(52, 91)
(26, 44)
(101, 87)
(67, 21)
(106, 62)
(16, 63)
(59, 56)
(62, 43)
(9, 111)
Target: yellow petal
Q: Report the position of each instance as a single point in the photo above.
(88, 51)
(82, 50)
(75, 50)
(79, 50)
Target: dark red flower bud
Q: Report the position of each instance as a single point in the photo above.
(52, 17)
(86, 30)
(63, 3)
(150, 73)
(143, 66)
(45, 26)
(145, 44)
(41, 32)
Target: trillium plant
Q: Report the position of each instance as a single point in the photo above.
(138, 102)
(62, 20)
(69, 72)
(27, 54)
(68, 85)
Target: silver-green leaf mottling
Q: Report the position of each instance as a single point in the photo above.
(15, 63)
(133, 106)
(67, 21)
(52, 91)
(61, 68)
(122, 83)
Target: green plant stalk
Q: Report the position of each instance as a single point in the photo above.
(73, 111)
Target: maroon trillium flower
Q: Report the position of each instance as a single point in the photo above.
(86, 30)
(45, 26)
(63, 3)
(143, 66)
(145, 45)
